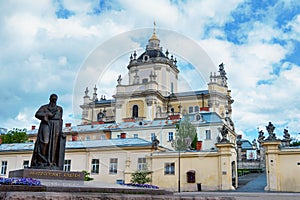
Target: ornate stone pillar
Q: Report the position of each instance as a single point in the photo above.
(272, 165)
(227, 156)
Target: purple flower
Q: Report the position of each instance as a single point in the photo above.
(19, 181)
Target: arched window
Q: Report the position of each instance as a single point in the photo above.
(135, 111)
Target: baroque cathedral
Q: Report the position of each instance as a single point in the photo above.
(149, 104)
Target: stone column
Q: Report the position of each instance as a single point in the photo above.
(119, 111)
(227, 156)
(272, 165)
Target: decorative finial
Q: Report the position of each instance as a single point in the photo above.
(154, 37)
(95, 94)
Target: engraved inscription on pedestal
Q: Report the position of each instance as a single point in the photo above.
(47, 174)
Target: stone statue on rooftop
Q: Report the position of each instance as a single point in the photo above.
(286, 134)
(261, 136)
(270, 128)
(155, 143)
(224, 133)
(49, 148)
(119, 80)
(286, 138)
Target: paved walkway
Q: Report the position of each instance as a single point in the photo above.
(254, 182)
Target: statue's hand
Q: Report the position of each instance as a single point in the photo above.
(50, 114)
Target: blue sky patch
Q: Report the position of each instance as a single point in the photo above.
(294, 57)
(62, 12)
(265, 82)
(105, 5)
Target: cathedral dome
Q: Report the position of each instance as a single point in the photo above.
(151, 53)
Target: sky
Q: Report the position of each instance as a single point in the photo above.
(45, 46)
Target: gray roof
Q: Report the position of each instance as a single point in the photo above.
(246, 144)
(208, 117)
(126, 142)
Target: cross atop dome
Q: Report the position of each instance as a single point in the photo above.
(153, 42)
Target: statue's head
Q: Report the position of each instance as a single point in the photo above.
(53, 98)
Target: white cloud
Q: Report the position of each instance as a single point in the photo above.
(41, 54)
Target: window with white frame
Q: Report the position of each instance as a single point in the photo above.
(25, 163)
(190, 109)
(207, 134)
(169, 168)
(3, 167)
(152, 136)
(88, 138)
(135, 135)
(95, 166)
(196, 108)
(171, 136)
(142, 165)
(67, 165)
(102, 137)
(113, 166)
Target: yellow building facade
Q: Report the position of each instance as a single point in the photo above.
(282, 167)
(113, 161)
(115, 136)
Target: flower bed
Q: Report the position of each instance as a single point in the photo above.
(141, 185)
(20, 181)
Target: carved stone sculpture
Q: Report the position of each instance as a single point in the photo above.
(49, 148)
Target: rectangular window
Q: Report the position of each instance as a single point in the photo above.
(87, 138)
(95, 166)
(103, 137)
(3, 167)
(171, 136)
(135, 135)
(190, 109)
(169, 168)
(152, 136)
(26, 164)
(142, 164)
(208, 134)
(113, 166)
(67, 165)
(196, 108)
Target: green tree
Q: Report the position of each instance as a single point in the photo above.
(15, 136)
(141, 176)
(87, 176)
(295, 143)
(186, 135)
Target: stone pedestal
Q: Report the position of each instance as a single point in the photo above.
(47, 174)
